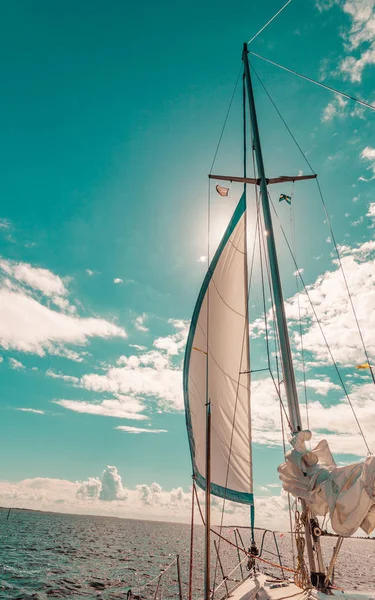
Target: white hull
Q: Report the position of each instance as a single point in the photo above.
(262, 587)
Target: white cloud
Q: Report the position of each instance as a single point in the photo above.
(138, 347)
(330, 298)
(117, 280)
(5, 224)
(155, 374)
(322, 386)
(40, 280)
(67, 378)
(202, 259)
(90, 273)
(112, 488)
(150, 374)
(90, 488)
(335, 423)
(15, 364)
(361, 36)
(368, 154)
(107, 496)
(336, 108)
(129, 429)
(139, 323)
(32, 410)
(121, 408)
(27, 325)
(173, 344)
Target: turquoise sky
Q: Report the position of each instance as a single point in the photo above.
(110, 116)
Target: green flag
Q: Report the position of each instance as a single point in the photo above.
(287, 199)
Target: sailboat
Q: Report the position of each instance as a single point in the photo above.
(217, 393)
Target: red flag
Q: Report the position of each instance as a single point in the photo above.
(222, 190)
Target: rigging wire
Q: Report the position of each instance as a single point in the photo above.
(277, 349)
(323, 85)
(338, 256)
(328, 222)
(226, 119)
(321, 330)
(293, 238)
(268, 22)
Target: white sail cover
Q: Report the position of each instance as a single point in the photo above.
(346, 493)
(218, 347)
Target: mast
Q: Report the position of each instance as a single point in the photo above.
(286, 354)
(207, 553)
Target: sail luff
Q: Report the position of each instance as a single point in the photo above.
(228, 356)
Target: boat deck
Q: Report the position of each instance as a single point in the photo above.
(261, 587)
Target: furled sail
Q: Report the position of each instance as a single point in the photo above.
(347, 493)
(217, 368)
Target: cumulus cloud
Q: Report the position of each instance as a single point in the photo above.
(331, 302)
(90, 488)
(121, 408)
(334, 422)
(202, 259)
(322, 386)
(15, 364)
(175, 343)
(150, 494)
(117, 280)
(38, 279)
(108, 487)
(149, 374)
(144, 502)
(137, 430)
(140, 323)
(112, 488)
(27, 325)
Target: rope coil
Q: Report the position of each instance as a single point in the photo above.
(301, 576)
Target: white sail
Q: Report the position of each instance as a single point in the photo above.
(347, 493)
(217, 368)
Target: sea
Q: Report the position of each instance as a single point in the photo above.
(49, 555)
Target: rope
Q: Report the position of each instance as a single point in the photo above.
(248, 554)
(301, 577)
(268, 22)
(191, 544)
(328, 221)
(327, 87)
(157, 577)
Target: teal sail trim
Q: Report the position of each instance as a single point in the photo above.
(217, 490)
(222, 492)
